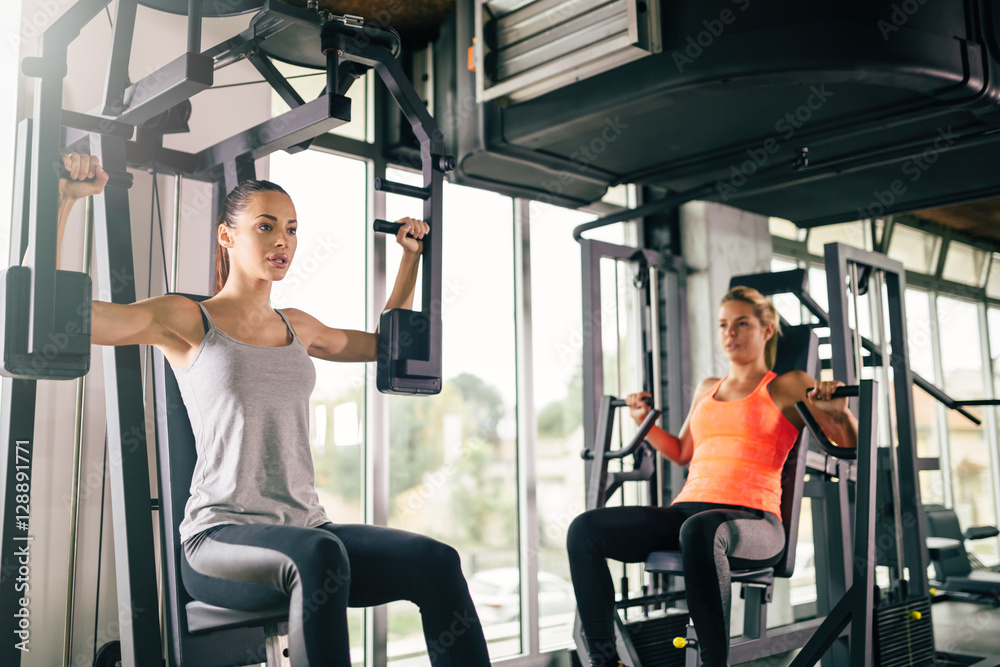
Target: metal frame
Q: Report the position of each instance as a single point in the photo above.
(596, 421)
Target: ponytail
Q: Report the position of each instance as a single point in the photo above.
(235, 203)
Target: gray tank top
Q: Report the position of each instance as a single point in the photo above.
(249, 410)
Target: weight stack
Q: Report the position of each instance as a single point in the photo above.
(904, 635)
(653, 640)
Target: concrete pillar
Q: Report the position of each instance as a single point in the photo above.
(718, 242)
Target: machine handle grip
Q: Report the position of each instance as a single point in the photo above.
(391, 228)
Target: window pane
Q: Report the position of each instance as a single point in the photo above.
(785, 229)
(993, 283)
(453, 457)
(331, 251)
(917, 250)
(786, 304)
(309, 83)
(918, 333)
(851, 233)
(965, 264)
(557, 350)
(963, 378)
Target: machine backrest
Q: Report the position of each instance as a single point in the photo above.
(176, 456)
(798, 349)
(943, 522)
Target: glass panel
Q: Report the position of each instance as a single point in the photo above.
(931, 487)
(785, 229)
(917, 250)
(331, 251)
(993, 282)
(918, 332)
(851, 233)
(787, 305)
(920, 348)
(309, 83)
(965, 264)
(557, 346)
(453, 472)
(963, 378)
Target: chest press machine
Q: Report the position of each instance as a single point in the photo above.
(45, 332)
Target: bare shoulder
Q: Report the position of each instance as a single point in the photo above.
(179, 315)
(792, 386)
(306, 326)
(704, 386)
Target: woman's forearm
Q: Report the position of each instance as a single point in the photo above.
(65, 207)
(841, 427)
(406, 281)
(665, 443)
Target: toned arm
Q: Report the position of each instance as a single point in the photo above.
(323, 342)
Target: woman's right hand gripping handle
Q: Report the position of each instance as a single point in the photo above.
(672, 447)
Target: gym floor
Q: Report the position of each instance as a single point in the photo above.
(959, 627)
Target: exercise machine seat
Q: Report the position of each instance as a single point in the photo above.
(954, 568)
(199, 635)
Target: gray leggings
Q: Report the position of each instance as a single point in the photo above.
(321, 571)
(711, 538)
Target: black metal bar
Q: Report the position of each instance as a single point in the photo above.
(170, 85)
(138, 608)
(194, 26)
(279, 133)
(638, 439)
(855, 607)
(121, 52)
(20, 225)
(275, 78)
(395, 188)
(44, 198)
(238, 170)
(88, 123)
(984, 402)
(817, 431)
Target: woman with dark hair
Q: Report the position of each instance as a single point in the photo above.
(736, 437)
(254, 533)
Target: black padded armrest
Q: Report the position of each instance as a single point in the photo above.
(981, 532)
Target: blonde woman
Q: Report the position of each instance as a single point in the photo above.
(735, 439)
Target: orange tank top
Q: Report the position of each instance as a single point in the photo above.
(740, 448)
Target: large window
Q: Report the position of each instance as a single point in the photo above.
(453, 457)
(323, 281)
(558, 337)
(961, 350)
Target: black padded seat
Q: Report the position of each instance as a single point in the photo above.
(203, 617)
(955, 569)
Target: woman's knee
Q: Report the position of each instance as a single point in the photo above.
(701, 534)
(324, 556)
(581, 533)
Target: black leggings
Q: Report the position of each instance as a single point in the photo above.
(321, 571)
(711, 537)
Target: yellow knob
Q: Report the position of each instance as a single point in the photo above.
(680, 642)
(915, 615)
(933, 591)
